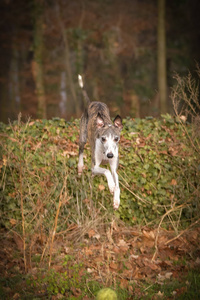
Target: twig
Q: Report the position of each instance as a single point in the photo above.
(176, 237)
(56, 221)
(138, 197)
(89, 288)
(158, 231)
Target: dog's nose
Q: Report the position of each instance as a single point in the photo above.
(110, 155)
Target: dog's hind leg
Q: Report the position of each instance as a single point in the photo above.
(82, 142)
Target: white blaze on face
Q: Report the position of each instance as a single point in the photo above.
(110, 146)
(104, 146)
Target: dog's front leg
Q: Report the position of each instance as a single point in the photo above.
(116, 198)
(96, 170)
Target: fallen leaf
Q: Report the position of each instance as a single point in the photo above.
(197, 261)
(91, 233)
(101, 187)
(173, 151)
(149, 234)
(168, 275)
(88, 251)
(16, 296)
(113, 265)
(181, 290)
(163, 152)
(122, 243)
(86, 201)
(13, 222)
(151, 265)
(160, 294)
(31, 123)
(19, 242)
(183, 118)
(98, 259)
(116, 249)
(134, 256)
(124, 283)
(173, 182)
(97, 236)
(67, 249)
(90, 270)
(128, 265)
(69, 153)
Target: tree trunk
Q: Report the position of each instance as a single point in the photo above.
(37, 67)
(14, 88)
(162, 77)
(67, 60)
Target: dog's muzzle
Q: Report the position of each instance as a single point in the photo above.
(110, 155)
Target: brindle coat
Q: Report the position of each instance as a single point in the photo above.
(103, 136)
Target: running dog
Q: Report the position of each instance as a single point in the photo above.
(103, 136)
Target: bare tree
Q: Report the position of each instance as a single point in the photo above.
(37, 67)
(67, 59)
(162, 77)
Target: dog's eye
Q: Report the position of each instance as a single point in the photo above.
(116, 139)
(103, 139)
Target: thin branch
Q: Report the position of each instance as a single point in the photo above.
(181, 233)
(158, 230)
(138, 197)
(56, 219)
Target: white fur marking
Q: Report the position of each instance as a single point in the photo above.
(110, 146)
(101, 151)
(116, 199)
(80, 164)
(80, 80)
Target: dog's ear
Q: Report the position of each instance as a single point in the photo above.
(100, 122)
(118, 122)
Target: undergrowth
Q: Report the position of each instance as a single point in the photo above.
(42, 196)
(158, 171)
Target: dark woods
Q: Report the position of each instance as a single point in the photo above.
(127, 51)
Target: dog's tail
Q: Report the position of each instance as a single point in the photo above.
(85, 95)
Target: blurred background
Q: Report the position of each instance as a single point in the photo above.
(122, 48)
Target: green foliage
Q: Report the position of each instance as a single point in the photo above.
(188, 288)
(64, 283)
(10, 282)
(59, 283)
(158, 171)
(71, 280)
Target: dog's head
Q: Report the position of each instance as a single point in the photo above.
(109, 135)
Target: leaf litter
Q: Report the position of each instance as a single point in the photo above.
(123, 259)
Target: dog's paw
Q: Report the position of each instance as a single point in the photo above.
(116, 199)
(80, 170)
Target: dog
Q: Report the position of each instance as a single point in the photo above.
(103, 136)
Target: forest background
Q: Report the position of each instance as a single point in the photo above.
(45, 44)
(59, 235)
